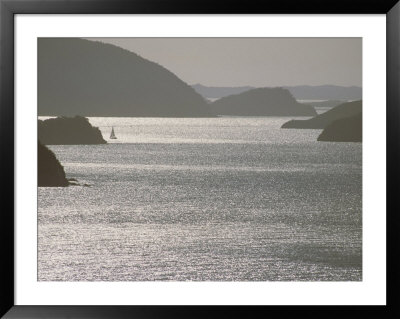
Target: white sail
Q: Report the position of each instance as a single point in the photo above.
(112, 135)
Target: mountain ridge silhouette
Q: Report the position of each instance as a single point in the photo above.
(92, 78)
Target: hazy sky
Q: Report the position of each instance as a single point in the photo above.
(254, 61)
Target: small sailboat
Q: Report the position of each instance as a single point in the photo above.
(112, 135)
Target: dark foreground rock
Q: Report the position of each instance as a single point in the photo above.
(344, 130)
(69, 131)
(262, 102)
(322, 120)
(50, 171)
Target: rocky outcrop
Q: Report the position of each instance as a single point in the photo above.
(50, 171)
(69, 130)
(322, 120)
(262, 102)
(348, 129)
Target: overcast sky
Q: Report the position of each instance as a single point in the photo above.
(256, 62)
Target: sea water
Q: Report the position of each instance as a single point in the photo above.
(204, 199)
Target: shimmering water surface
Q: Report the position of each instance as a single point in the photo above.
(223, 199)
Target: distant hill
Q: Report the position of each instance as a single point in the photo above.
(262, 102)
(322, 120)
(218, 92)
(347, 129)
(303, 92)
(325, 92)
(69, 130)
(327, 104)
(50, 171)
(88, 78)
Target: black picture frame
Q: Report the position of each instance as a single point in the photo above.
(8, 9)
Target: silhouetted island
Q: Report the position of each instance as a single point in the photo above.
(216, 92)
(348, 129)
(325, 92)
(68, 130)
(90, 78)
(262, 102)
(322, 120)
(50, 171)
(327, 104)
(300, 92)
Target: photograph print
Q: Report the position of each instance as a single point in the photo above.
(199, 159)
